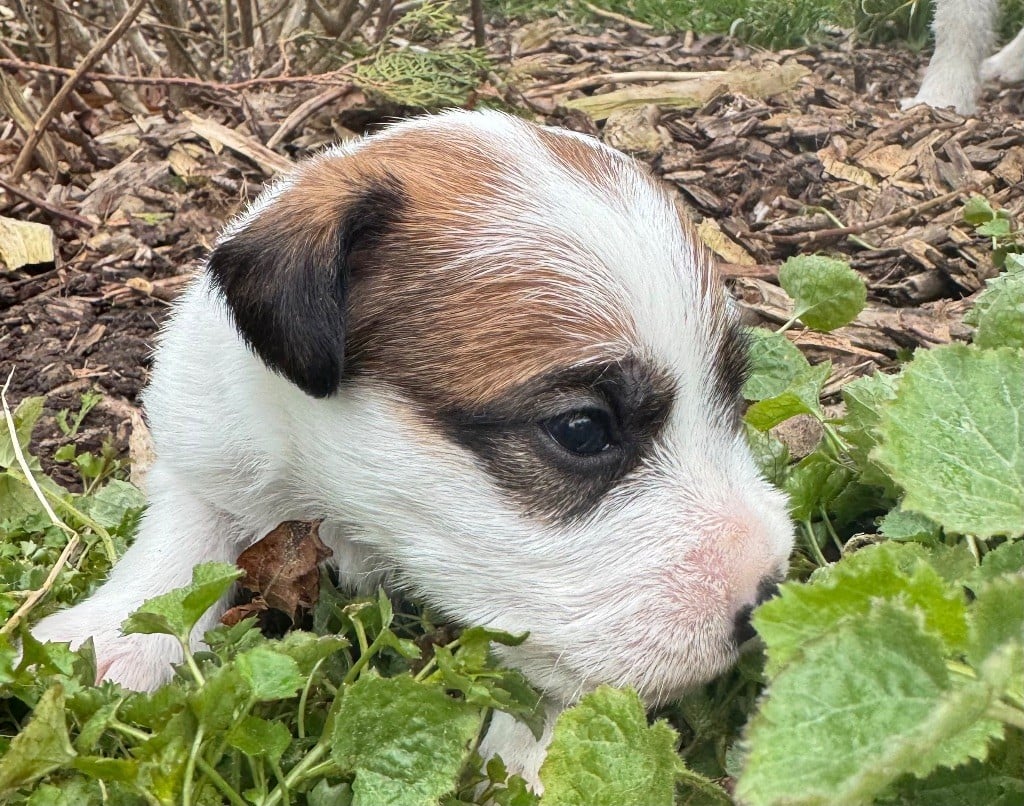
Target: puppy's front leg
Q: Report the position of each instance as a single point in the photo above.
(177, 532)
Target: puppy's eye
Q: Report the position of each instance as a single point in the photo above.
(585, 432)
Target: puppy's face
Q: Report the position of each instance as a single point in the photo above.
(520, 389)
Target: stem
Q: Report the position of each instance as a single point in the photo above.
(297, 773)
(193, 667)
(837, 441)
(812, 542)
(972, 544)
(364, 658)
(282, 781)
(790, 323)
(219, 783)
(831, 530)
(128, 730)
(428, 667)
(190, 768)
(304, 697)
(1005, 712)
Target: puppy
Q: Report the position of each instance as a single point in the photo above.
(963, 36)
(496, 364)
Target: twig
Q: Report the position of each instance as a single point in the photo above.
(338, 76)
(476, 8)
(304, 110)
(73, 537)
(814, 236)
(611, 15)
(630, 77)
(57, 102)
(44, 205)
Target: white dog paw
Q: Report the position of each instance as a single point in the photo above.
(137, 662)
(1007, 66)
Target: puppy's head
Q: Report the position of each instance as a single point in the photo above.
(521, 388)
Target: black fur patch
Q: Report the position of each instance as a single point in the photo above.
(731, 367)
(287, 285)
(509, 439)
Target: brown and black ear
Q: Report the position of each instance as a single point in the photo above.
(286, 274)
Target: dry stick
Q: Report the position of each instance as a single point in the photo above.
(42, 204)
(476, 8)
(611, 15)
(304, 110)
(627, 78)
(813, 236)
(334, 77)
(73, 541)
(21, 164)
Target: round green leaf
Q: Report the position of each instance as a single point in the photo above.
(827, 292)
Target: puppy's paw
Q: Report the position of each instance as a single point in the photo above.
(137, 662)
(1007, 66)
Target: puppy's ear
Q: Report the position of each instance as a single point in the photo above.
(286, 273)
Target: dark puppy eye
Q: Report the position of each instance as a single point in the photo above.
(585, 432)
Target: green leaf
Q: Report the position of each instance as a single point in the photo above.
(25, 416)
(865, 398)
(405, 741)
(770, 454)
(1005, 559)
(954, 439)
(109, 505)
(977, 210)
(41, 747)
(107, 769)
(876, 699)
(998, 313)
(603, 753)
(996, 228)
(270, 674)
(827, 292)
(904, 526)
(814, 482)
(850, 590)
(997, 619)
(176, 612)
(260, 737)
(800, 397)
(774, 363)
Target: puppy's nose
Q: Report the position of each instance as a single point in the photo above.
(743, 630)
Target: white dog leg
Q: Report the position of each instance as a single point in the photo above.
(177, 532)
(1008, 64)
(963, 35)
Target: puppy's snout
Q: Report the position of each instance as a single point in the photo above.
(743, 630)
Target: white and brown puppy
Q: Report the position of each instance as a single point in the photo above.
(963, 37)
(506, 376)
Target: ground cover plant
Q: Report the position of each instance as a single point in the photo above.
(891, 668)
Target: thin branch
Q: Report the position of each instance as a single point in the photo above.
(814, 236)
(339, 76)
(44, 205)
(74, 538)
(25, 156)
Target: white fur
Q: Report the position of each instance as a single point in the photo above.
(644, 592)
(963, 37)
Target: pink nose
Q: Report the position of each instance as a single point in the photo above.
(743, 630)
